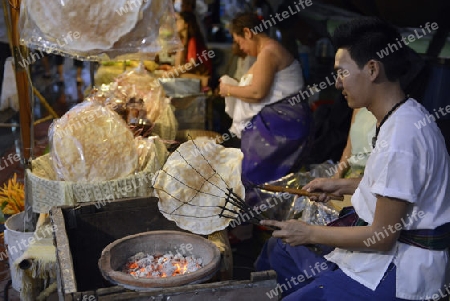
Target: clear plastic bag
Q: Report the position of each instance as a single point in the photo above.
(140, 93)
(140, 100)
(286, 206)
(99, 29)
(313, 213)
(144, 150)
(91, 143)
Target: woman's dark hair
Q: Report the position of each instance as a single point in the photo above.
(368, 38)
(188, 5)
(193, 28)
(245, 20)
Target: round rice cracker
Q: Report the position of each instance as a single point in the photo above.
(143, 41)
(91, 143)
(193, 186)
(99, 23)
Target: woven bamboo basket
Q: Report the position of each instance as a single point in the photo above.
(45, 192)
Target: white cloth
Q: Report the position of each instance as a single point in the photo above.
(9, 97)
(413, 165)
(361, 133)
(286, 82)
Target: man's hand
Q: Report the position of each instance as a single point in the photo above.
(292, 232)
(332, 186)
(326, 185)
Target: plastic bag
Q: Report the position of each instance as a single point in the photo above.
(91, 143)
(313, 213)
(286, 206)
(135, 95)
(139, 99)
(166, 126)
(281, 205)
(99, 29)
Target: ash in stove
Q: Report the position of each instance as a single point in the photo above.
(144, 265)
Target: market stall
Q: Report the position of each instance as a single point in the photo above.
(111, 150)
(113, 175)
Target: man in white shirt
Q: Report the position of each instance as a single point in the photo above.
(403, 197)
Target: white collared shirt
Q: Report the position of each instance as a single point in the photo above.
(410, 162)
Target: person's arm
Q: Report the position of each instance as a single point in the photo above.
(381, 235)
(343, 165)
(331, 186)
(263, 71)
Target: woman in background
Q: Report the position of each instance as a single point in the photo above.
(269, 114)
(194, 55)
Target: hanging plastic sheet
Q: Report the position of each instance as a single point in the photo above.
(99, 29)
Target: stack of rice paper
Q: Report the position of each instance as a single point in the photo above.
(91, 143)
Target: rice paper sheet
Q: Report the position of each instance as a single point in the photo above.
(99, 29)
(193, 185)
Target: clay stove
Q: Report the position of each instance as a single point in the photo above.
(116, 255)
(85, 230)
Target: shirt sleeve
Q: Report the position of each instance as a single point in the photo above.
(398, 175)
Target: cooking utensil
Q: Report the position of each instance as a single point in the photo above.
(301, 192)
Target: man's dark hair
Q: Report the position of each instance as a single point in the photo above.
(366, 38)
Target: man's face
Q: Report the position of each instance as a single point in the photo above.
(352, 81)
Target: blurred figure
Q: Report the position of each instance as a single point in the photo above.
(358, 148)
(79, 66)
(190, 58)
(197, 7)
(59, 62)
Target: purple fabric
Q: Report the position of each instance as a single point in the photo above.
(307, 276)
(294, 262)
(276, 140)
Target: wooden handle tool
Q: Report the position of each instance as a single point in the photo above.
(301, 192)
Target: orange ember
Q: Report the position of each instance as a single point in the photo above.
(153, 266)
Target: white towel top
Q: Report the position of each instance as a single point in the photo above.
(286, 82)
